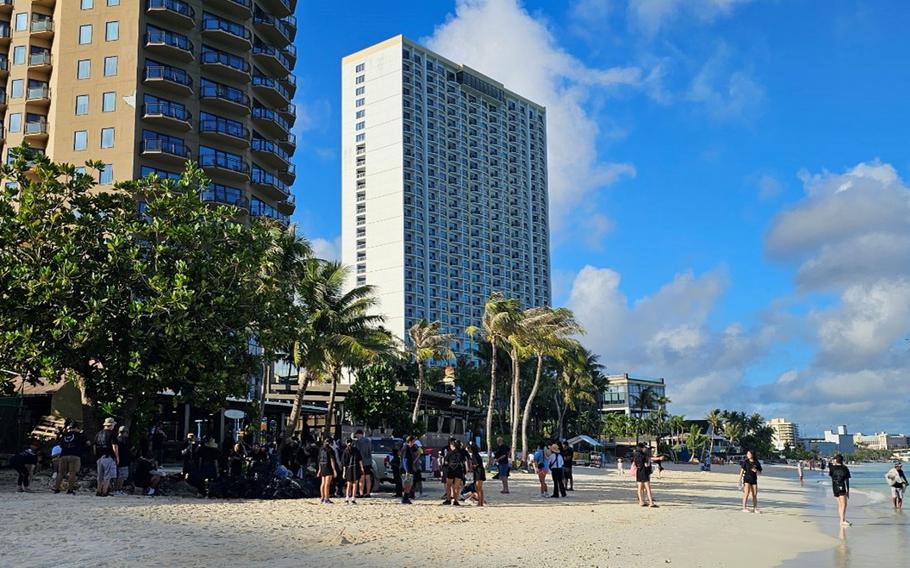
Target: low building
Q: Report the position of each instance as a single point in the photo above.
(622, 393)
(824, 449)
(881, 441)
(841, 439)
(785, 433)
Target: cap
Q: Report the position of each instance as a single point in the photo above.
(122, 429)
(109, 421)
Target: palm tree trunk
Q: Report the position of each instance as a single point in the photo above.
(530, 401)
(419, 391)
(492, 400)
(516, 401)
(330, 413)
(303, 381)
(560, 413)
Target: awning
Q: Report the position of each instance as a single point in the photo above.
(586, 439)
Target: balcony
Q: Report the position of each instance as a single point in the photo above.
(225, 65)
(289, 111)
(45, 3)
(289, 174)
(230, 34)
(35, 130)
(289, 143)
(173, 12)
(225, 195)
(40, 61)
(286, 206)
(225, 131)
(243, 9)
(2, 99)
(166, 150)
(272, 59)
(270, 154)
(5, 34)
(291, 53)
(270, 122)
(4, 66)
(167, 114)
(6, 6)
(271, 91)
(39, 95)
(42, 28)
(169, 45)
(289, 82)
(272, 29)
(280, 8)
(269, 184)
(170, 79)
(225, 98)
(225, 164)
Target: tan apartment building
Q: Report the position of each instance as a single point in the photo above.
(785, 433)
(146, 85)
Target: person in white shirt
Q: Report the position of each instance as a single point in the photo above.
(898, 482)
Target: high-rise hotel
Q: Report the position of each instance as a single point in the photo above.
(444, 187)
(145, 85)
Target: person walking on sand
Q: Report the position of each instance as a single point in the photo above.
(72, 445)
(106, 449)
(501, 457)
(327, 470)
(480, 474)
(641, 460)
(898, 482)
(542, 463)
(557, 463)
(25, 463)
(352, 466)
(799, 470)
(750, 468)
(840, 484)
(619, 466)
(365, 446)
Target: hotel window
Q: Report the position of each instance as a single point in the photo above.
(113, 2)
(17, 88)
(110, 66)
(80, 140)
(107, 137)
(360, 125)
(22, 21)
(83, 68)
(87, 4)
(359, 68)
(19, 55)
(360, 114)
(107, 174)
(360, 91)
(81, 105)
(359, 102)
(15, 122)
(112, 31)
(85, 34)
(108, 101)
(361, 137)
(359, 79)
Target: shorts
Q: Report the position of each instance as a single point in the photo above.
(897, 492)
(454, 473)
(351, 474)
(839, 490)
(503, 469)
(643, 475)
(367, 470)
(107, 468)
(123, 473)
(480, 474)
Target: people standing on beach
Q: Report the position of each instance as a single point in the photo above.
(408, 459)
(72, 445)
(557, 463)
(542, 463)
(327, 470)
(750, 468)
(619, 466)
(641, 461)
(897, 481)
(454, 465)
(444, 469)
(25, 463)
(799, 470)
(501, 458)
(125, 460)
(568, 455)
(106, 451)
(395, 466)
(352, 470)
(365, 446)
(189, 452)
(158, 438)
(840, 484)
(480, 473)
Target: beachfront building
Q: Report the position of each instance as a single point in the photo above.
(841, 439)
(145, 85)
(785, 433)
(622, 393)
(881, 441)
(444, 188)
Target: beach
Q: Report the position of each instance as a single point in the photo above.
(699, 523)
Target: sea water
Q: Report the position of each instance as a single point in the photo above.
(879, 536)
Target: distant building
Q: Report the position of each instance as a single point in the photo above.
(824, 449)
(785, 432)
(881, 441)
(841, 439)
(622, 392)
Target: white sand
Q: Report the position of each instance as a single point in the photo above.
(699, 523)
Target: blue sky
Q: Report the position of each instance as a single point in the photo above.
(719, 170)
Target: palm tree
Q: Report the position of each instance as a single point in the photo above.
(545, 331)
(715, 419)
(575, 383)
(696, 441)
(499, 315)
(428, 343)
(646, 399)
(733, 432)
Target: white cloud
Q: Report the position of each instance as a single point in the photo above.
(327, 249)
(723, 92)
(768, 187)
(501, 39)
(651, 16)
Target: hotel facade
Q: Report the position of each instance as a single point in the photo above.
(146, 85)
(444, 188)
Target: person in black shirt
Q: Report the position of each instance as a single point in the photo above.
(146, 476)
(189, 452)
(158, 440)
(107, 452)
(840, 484)
(24, 463)
(352, 466)
(409, 457)
(395, 466)
(748, 479)
(72, 445)
(480, 474)
(209, 455)
(125, 460)
(568, 454)
(641, 459)
(454, 466)
(327, 470)
(501, 457)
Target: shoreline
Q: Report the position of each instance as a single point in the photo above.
(699, 523)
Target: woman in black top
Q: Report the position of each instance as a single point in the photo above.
(748, 478)
(840, 483)
(327, 470)
(480, 474)
(454, 465)
(352, 464)
(641, 459)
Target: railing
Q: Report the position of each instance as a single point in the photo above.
(167, 109)
(171, 39)
(176, 6)
(262, 145)
(220, 57)
(226, 93)
(213, 23)
(223, 161)
(262, 113)
(263, 81)
(222, 126)
(173, 147)
(263, 177)
(43, 58)
(42, 25)
(37, 93)
(36, 127)
(168, 74)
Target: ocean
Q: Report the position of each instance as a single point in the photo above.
(879, 536)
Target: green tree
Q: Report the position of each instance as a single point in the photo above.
(696, 441)
(127, 293)
(427, 343)
(645, 400)
(576, 384)
(375, 400)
